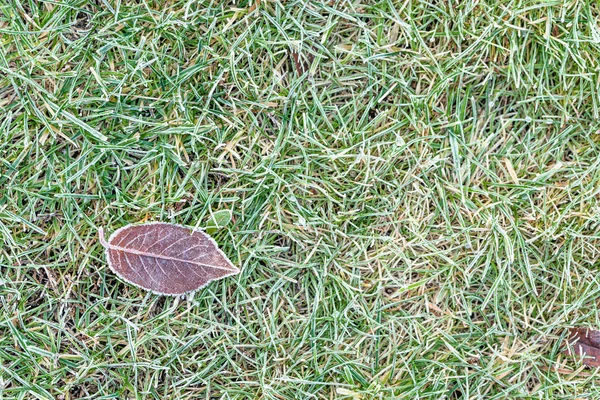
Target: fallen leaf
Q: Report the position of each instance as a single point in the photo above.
(302, 62)
(219, 219)
(584, 342)
(166, 259)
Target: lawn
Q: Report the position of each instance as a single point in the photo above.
(414, 190)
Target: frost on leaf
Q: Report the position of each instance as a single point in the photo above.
(584, 342)
(165, 258)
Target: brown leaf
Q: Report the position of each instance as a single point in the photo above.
(165, 258)
(302, 62)
(584, 342)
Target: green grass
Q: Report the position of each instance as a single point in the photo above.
(415, 217)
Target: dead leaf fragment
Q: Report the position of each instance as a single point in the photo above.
(166, 259)
(584, 342)
(302, 62)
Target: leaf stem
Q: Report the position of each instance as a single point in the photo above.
(103, 242)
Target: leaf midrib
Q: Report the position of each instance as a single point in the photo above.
(163, 257)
